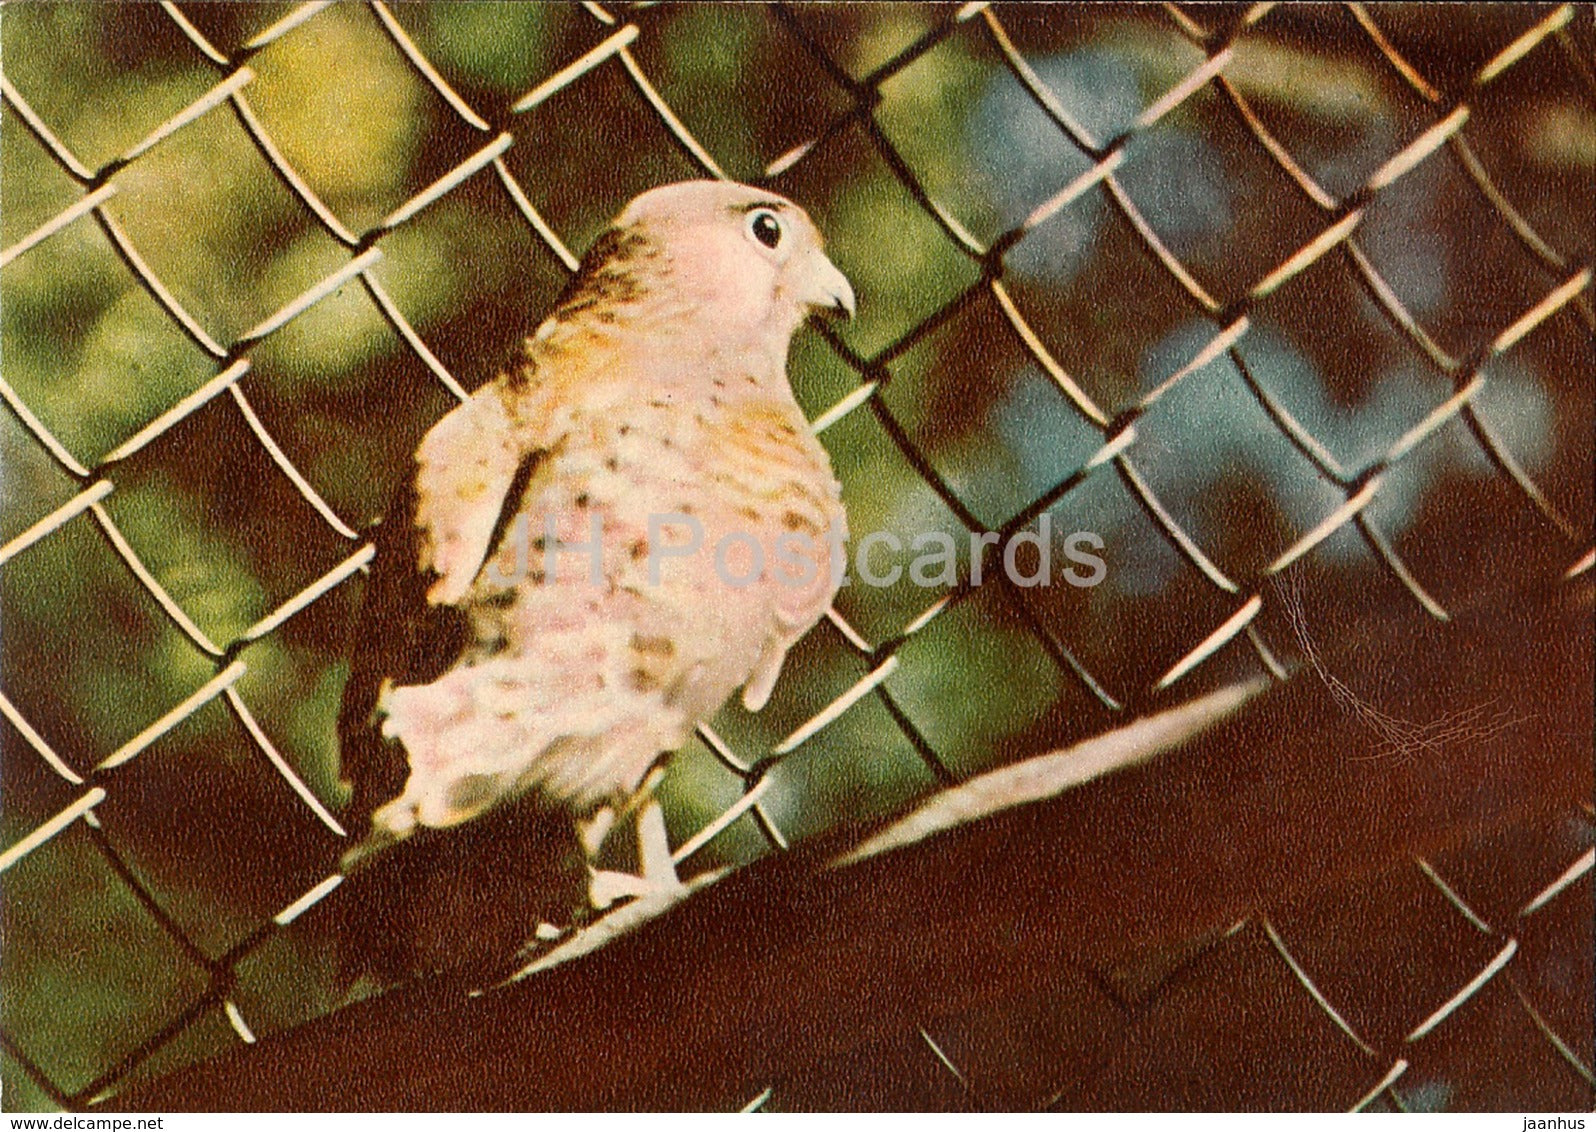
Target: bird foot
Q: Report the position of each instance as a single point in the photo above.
(604, 888)
(657, 871)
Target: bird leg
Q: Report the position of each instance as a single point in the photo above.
(656, 871)
(654, 848)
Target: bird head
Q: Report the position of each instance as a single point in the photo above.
(748, 258)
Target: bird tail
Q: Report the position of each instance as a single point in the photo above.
(461, 902)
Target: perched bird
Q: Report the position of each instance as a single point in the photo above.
(590, 555)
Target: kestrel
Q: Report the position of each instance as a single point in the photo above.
(589, 557)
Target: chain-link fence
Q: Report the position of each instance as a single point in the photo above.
(1290, 305)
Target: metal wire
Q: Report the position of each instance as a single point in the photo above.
(1231, 309)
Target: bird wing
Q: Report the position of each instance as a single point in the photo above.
(464, 471)
(444, 523)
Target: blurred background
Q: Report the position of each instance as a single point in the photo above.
(1045, 247)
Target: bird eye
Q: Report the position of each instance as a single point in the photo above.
(764, 227)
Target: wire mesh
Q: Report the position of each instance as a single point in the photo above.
(1228, 614)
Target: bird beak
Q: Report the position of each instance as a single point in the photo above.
(828, 289)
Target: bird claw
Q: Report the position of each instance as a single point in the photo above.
(604, 888)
